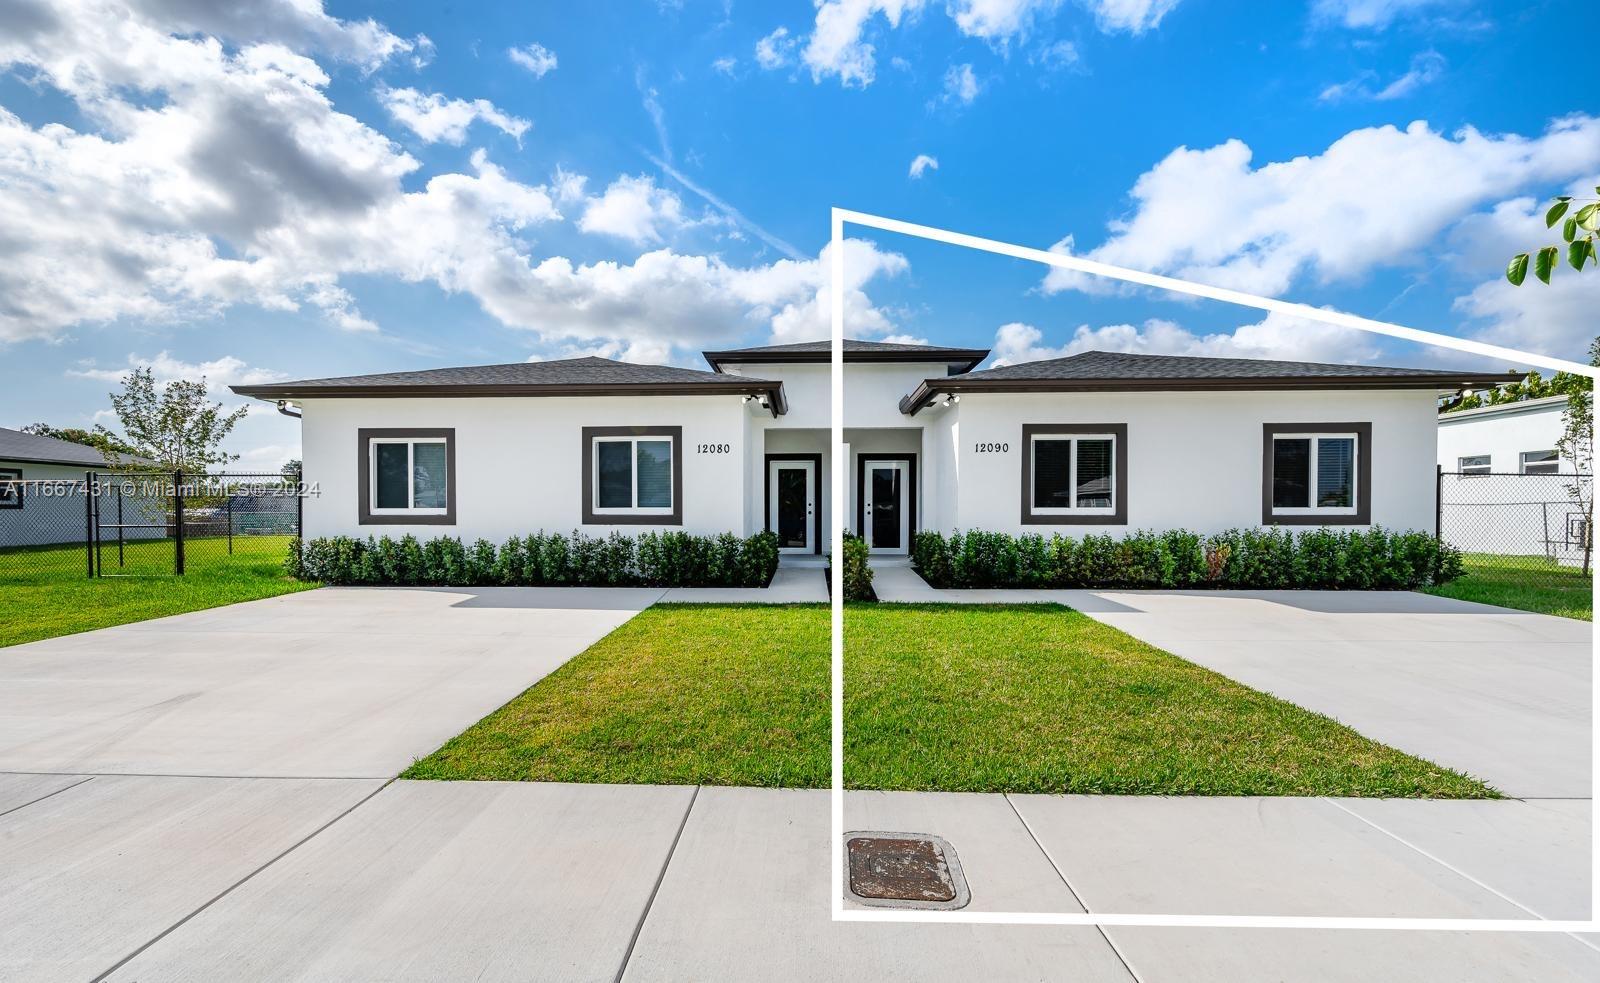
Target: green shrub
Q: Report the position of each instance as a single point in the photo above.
(1275, 558)
(857, 569)
(671, 559)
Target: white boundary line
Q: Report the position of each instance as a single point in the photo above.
(840, 217)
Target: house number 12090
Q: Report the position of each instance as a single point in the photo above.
(715, 448)
(990, 448)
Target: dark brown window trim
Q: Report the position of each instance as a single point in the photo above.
(911, 491)
(1363, 516)
(1119, 513)
(12, 474)
(816, 493)
(607, 519)
(364, 438)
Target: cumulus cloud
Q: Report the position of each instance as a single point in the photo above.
(219, 373)
(776, 49)
(200, 173)
(961, 86)
(1426, 68)
(1131, 16)
(635, 209)
(433, 117)
(999, 20)
(1276, 336)
(922, 163)
(837, 46)
(536, 58)
(1374, 197)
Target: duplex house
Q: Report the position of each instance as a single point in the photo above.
(1092, 443)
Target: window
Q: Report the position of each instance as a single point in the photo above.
(1074, 474)
(1316, 474)
(10, 488)
(633, 475)
(1476, 465)
(1540, 462)
(407, 476)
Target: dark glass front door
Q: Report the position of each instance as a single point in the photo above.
(794, 519)
(884, 485)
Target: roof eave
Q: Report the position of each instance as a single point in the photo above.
(928, 388)
(967, 358)
(772, 389)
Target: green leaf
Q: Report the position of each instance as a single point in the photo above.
(1544, 263)
(1589, 216)
(1556, 211)
(1569, 229)
(1517, 271)
(1577, 252)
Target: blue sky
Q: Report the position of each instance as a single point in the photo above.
(268, 190)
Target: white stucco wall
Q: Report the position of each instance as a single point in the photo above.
(50, 513)
(1503, 433)
(519, 460)
(1194, 459)
(872, 391)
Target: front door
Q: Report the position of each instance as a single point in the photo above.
(885, 516)
(792, 504)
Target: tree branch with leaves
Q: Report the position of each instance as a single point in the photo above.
(177, 425)
(1578, 231)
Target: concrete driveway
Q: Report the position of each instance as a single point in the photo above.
(1500, 694)
(337, 682)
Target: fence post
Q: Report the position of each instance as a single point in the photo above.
(88, 523)
(122, 560)
(299, 506)
(230, 523)
(1438, 503)
(177, 507)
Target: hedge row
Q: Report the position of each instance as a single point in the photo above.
(652, 559)
(857, 569)
(1328, 559)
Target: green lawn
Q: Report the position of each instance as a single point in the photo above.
(1529, 583)
(1026, 698)
(47, 592)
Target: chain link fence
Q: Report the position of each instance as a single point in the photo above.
(106, 524)
(1531, 527)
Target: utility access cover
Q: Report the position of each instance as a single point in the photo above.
(903, 870)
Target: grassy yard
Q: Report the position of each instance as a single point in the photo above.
(1025, 698)
(47, 592)
(1528, 583)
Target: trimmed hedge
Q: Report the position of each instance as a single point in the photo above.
(857, 569)
(652, 559)
(1328, 559)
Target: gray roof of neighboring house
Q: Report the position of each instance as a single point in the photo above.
(960, 359)
(588, 376)
(1116, 371)
(18, 446)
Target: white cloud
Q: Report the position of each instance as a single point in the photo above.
(1373, 14)
(1426, 67)
(836, 47)
(999, 20)
(204, 175)
(268, 457)
(1056, 57)
(961, 86)
(219, 373)
(434, 118)
(635, 209)
(1276, 336)
(566, 186)
(776, 49)
(922, 163)
(1132, 16)
(726, 64)
(1376, 196)
(536, 58)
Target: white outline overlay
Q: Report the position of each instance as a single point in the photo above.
(841, 216)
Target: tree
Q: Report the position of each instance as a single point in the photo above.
(291, 472)
(1532, 386)
(106, 444)
(1577, 446)
(1579, 249)
(178, 427)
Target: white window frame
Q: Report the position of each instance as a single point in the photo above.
(411, 475)
(633, 471)
(1035, 508)
(1465, 470)
(1313, 477)
(1522, 461)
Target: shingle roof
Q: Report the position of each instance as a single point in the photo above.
(586, 376)
(1106, 371)
(855, 350)
(18, 446)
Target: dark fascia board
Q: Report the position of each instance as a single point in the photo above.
(928, 388)
(776, 401)
(966, 358)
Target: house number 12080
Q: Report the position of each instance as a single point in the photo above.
(991, 448)
(715, 448)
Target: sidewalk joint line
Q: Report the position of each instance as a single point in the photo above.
(655, 889)
(47, 795)
(1115, 950)
(238, 883)
(162, 774)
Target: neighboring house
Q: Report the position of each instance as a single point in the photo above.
(41, 488)
(1092, 443)
(1511, 438)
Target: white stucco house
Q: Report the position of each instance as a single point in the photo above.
(1092, 443)
(1511, 438)
(41, 488)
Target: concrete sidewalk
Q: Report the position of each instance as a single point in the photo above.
(293, 879)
